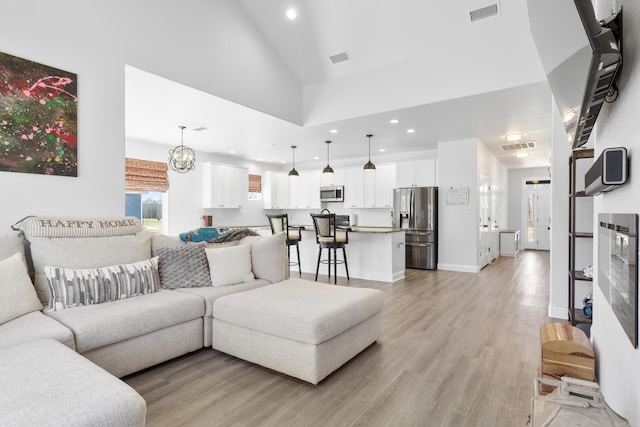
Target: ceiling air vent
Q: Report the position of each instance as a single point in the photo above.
(519, 146)
(339, 57)
(483, 12)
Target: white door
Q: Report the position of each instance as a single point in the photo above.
(535, 232)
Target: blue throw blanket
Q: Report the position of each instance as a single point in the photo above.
(203, 234)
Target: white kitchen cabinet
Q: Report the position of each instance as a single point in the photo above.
(224, 186)
(354, 188)
(385, 183)
(276, 191)
(417, 173)
(308, 191)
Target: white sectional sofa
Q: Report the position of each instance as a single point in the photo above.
(86, 301)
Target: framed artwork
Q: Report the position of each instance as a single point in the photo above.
(38, 118)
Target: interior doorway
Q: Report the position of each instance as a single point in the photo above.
(536, 214)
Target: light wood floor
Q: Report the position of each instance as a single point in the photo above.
(457, 349)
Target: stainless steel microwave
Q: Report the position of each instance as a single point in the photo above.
(335, 193)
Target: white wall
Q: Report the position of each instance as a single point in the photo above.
(96, 40)
(618, 363)
(458, 167)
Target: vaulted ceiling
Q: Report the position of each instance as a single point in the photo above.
(424, 63)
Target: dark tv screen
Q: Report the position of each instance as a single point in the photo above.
(579, 57)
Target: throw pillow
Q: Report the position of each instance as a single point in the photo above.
(184, 266)
(230, 266)
(17, 295)
(269, 257)
(39, 226)
(71, 287)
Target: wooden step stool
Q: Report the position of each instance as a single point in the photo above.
(566, 351)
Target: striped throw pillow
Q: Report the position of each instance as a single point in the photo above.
(72, 287)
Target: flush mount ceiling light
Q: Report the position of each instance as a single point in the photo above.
(293, 173)
(291, 14)
(411, 130)
(514, 136)
(182, 158)
(569, 115)
(368, 167)
(333, 131)
(394, 121)
(328, 169)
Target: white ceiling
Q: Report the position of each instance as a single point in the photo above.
(376, 34)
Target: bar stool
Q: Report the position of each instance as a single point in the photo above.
(280, 223)
(330, 237)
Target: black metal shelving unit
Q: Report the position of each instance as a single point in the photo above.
(576, 316)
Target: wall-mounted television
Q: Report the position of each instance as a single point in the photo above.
(617, 268)
(581, 57)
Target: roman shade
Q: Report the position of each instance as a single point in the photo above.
(145, 175)
(255, 183)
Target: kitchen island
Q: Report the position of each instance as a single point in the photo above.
(373, 253)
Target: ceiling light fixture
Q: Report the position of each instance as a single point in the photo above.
(394, 121)
(328, 170)
(182, 158)
(569, 115)
(369, 167)
(411, 130)
(293, 173)
(333, 131)
(291, 14)
(514, 136)
(522, 155)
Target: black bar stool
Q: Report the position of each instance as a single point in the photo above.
(280, 223)
(330, 237)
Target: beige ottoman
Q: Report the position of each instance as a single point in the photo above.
(297, 327)
(45, 383)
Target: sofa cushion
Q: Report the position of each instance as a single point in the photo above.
(89, 252)
(99, 325)
(183, 266)
(210, 294)
(71, 287)
(34, 326)
(230, 266)
(17, 296)
(46, 384)
(269, 257)
(299, 310)
(40, 226)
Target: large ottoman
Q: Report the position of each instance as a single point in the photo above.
(297, 327)
(45, 383)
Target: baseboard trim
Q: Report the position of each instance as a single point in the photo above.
(558, 312)
(459, 268)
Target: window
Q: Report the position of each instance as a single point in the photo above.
(255, 187)
(146, 185)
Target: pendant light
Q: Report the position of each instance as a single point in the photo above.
(328, 170)
(182, 158)
(369, 167)
(293, 173)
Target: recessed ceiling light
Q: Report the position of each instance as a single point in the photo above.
(514, 136)
(291, 14)
(382, 150)
(258, 160)
(411, 130)
(522, 154)
(394, 121)
(333, 131)
(316, 158)
(282, 161)
(232, 152)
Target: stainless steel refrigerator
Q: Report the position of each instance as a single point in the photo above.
(416, 210)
